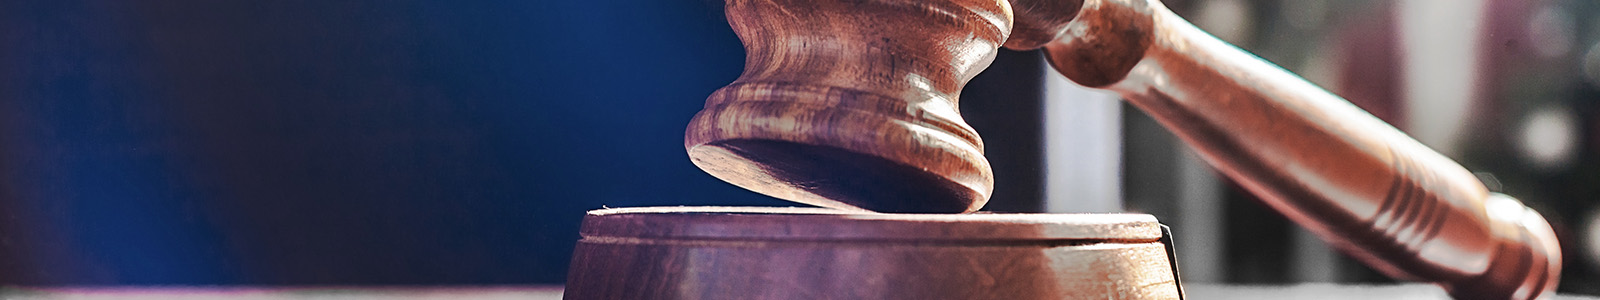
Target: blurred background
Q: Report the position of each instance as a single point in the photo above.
(416, 142)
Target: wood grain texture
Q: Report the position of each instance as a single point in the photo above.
(1359, 183)
(852, 104)
(783, 253)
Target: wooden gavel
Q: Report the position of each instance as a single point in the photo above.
(852, 105)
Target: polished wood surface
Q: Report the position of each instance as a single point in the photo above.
(1359, 183)
(851, 105)
(813, 253)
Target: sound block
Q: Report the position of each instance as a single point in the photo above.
(815, 253)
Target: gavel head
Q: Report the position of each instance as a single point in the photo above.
(852, 104)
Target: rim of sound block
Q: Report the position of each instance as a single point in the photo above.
(822, 224)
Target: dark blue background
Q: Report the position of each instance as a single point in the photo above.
(395, 142)
(341, 142)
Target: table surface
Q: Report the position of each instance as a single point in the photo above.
(1195, 291)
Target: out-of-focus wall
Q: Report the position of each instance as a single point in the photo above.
(341, 142)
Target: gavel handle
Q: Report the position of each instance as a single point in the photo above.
(1354, 180)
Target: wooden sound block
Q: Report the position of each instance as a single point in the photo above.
(814, 253)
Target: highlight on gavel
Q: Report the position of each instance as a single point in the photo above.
(852, 105)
